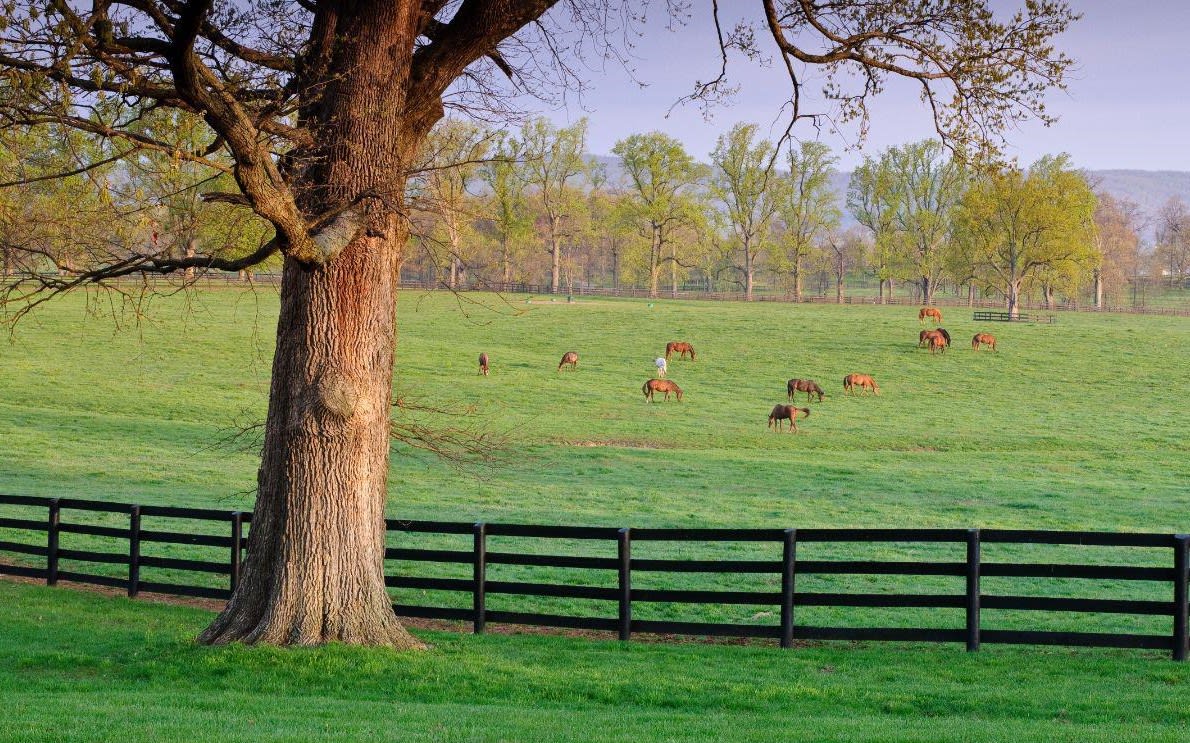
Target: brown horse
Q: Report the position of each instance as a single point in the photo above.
(661, 385)
(786, 413)
(932, 312)
(483, 364)
(809, 386)
(937, 339)
(682, 347)
(986, 339)
(570, 357)
(863, 381)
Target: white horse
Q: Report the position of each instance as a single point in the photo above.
(661, 366)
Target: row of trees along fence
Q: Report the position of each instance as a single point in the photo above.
(24, 517)
(214, 280)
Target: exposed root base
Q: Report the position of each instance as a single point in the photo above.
(377, 632)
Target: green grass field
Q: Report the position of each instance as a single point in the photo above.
(1078, 425)
(80, 667)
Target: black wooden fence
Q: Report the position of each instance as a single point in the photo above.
(59, 517)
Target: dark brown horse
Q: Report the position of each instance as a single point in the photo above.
(682, 347)
(932, 312)
(863, 381)
(986, 339)
(786, 413)
(483, 364)
(570, 357)
(809, 386)
(661, 385)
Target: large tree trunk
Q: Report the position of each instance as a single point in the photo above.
(797, 278)
(748, 273)
(673, 270)
(1098, 289)
(654, 262)
(1013, 298)
(314, 568)
(314, 571)
(556, 254)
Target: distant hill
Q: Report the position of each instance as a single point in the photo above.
(1148, 188)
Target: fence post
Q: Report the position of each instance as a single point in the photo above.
(624, 552)
(237, 542)
(479, 573)
(973, 559)
(51, 555)
(1181, 568)
(133, 551)
(788, 571)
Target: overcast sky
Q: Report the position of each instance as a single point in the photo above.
(1127, 106)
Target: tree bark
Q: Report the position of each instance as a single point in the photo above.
(1013, 298)
(556, 254)
(1098, 289)
(314, 571)
(748, 273)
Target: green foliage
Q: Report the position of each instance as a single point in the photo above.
(807, 207)
(661, 198)
(743, 181)
(1038, 224)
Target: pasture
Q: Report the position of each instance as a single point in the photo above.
(79, 667)
(1078, 425)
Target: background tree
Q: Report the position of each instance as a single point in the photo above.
(1172, 250)
(744, 181)
(806, 205)
(660, 175)
(451, 160)
(872, 200)
(554, 164)
(508, 205)
(1019, 226)
(321, 107)
(1118, 224)
(843, 251)
(927, 184)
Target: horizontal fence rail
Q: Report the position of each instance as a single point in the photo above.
(32, 529)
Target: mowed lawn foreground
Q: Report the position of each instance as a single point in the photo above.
(1081, 424)
(79, 667)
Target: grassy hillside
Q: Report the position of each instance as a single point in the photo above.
(1077, 425)
(81, 667)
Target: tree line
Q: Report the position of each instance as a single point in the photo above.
(529, 206)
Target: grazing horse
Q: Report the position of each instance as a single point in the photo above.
(786, 413)
(932, 312)
(682, 347)
(483, 364)
(986, 339)
(662, 366)
(661, 385)
(937, 339)
(570, 357)
(809, 386)
(863, 381)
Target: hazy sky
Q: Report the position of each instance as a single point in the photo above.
(1127, 106)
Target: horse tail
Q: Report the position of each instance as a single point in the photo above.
(806, 411)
